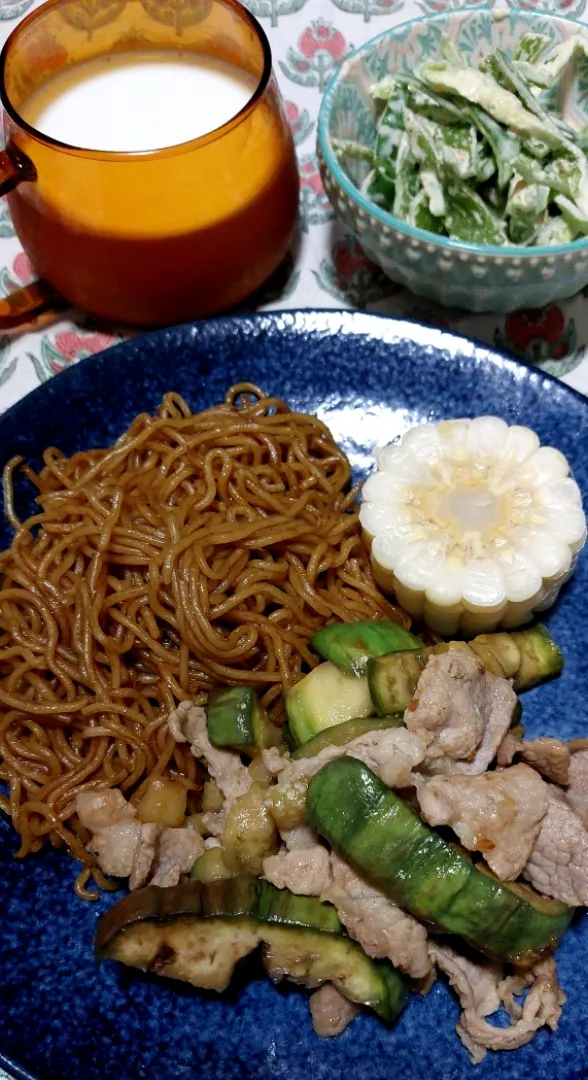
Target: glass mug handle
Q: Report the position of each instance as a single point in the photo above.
(37, 298)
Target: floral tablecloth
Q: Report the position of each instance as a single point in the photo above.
(327, 268)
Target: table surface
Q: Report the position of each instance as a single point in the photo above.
(327, 268)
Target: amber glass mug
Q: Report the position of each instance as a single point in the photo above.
(149, 238)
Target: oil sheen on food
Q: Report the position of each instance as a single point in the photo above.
(142, 101)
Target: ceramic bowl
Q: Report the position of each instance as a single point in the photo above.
(456, 274)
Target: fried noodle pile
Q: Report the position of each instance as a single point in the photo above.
(201, 548)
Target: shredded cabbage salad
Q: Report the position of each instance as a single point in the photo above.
(478, 154)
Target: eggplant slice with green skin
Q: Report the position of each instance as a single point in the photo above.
(385, 840)
(349, 646)
(235, 719)
(198, 933)
(528, 657)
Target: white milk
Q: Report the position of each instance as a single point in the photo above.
(139, 101)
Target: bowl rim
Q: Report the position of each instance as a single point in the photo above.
(443, 243)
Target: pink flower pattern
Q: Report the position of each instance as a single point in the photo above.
(322, 37)
(67, 347)
(23, 269)
(74, 346)
(300, 123)
(319, 52)
(310, 177)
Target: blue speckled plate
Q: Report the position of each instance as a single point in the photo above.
(61, 1017)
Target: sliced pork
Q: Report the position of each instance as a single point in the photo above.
(299, 838)
(176, 853)
(577, 789)
(541, 1008)
(331, 1012)
(187, 723)
(461, 712)
(305, 871)
(115, 847)
(100, 809)
(115, 830)
(558, 864)
(550, 757)
(376, 923)
(392, 753)
(508, 749)
(481, 990)
(145, 854)
(565, 763)
(498, 813)
(475, 983)
(126, 848)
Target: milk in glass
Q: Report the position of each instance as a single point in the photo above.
(139, 101)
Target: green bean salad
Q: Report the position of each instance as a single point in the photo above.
(481, 155)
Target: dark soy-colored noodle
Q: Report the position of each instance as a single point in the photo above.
(198, 549)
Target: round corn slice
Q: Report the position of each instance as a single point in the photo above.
(472, 524)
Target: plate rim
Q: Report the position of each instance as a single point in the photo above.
(348, 319)
(300, 321)
(14, 1071)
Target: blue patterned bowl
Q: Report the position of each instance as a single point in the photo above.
(480, 278)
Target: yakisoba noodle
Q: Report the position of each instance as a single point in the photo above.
(199, 549)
